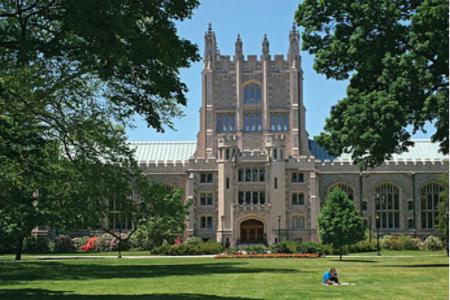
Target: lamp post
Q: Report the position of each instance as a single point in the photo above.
(279, 228)
(377, 217)
(222, 217)
(120, 232)
(370, 228)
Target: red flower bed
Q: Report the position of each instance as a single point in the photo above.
(270, 255)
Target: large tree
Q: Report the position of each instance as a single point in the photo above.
(72, 76)
(131, 48)
(339, 222)
(395, 55)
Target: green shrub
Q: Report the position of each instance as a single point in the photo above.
(363, 246)
(400, 242)
(432, 243)
(63, 244)
(285, 247)
(256, 249)
(193, 240)
(300, 247)
(194, 247)
(310, 247)
(161, 250)
(140, 239)
(38, 244)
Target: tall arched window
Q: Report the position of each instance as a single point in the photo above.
(252, 93)
(345, 187)
(429, 202)
(387, 206)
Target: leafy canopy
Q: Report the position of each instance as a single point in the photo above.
(72, 75)
(131, 48)
(395, 55)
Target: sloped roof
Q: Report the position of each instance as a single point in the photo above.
(147, 151)
(422, 149)
(163, 151)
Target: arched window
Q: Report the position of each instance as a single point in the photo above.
(252, 93)
(429, 202)
(345, 187)
(387, 206)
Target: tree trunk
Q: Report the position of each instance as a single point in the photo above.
(19, 247)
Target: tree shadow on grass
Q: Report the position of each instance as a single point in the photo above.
(12, 273)
(420, 266)
(356, 260)
(41, 294)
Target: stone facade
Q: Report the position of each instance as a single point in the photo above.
(254, 177)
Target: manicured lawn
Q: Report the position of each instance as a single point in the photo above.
(424, 276)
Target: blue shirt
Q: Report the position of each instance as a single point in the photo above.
(327, 276)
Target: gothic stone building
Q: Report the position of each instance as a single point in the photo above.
(254, 176)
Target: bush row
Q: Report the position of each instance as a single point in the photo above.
(66, 244)
(190, 247)
(195, 246)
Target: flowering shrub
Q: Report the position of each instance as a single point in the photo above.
(432, 243)
(79, 242)
(400, 242)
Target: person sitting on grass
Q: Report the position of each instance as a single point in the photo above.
(330, 278)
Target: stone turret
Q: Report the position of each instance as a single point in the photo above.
(238, 52)
(211, 52)
(294, 47)
(265, 47)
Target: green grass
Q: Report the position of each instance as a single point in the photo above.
(424, 276)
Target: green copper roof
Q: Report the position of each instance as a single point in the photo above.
(147, 151)
(422, 150)
(163, 151)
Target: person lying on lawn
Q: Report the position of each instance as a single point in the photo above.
(330, 277)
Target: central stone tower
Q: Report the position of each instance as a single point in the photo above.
(252, 149)
(257, 103)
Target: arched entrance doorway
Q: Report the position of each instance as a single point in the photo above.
(252, 231)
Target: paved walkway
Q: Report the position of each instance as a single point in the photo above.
(53, 257)
(376, 256)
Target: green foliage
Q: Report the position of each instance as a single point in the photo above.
(165, 220)
(256, 249)
(130, 48)
(363, 246)
(72, 76)
(63, 244)
(38, 244)
(400, 242)
(285, 247)
(339, 223)
(433, 243)
(190, 248)
(395, 56)
(299, 247)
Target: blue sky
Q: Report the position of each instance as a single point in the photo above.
(251, 19)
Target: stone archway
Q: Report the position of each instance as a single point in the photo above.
(252, 231)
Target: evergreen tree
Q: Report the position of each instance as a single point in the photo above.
(339, 222)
